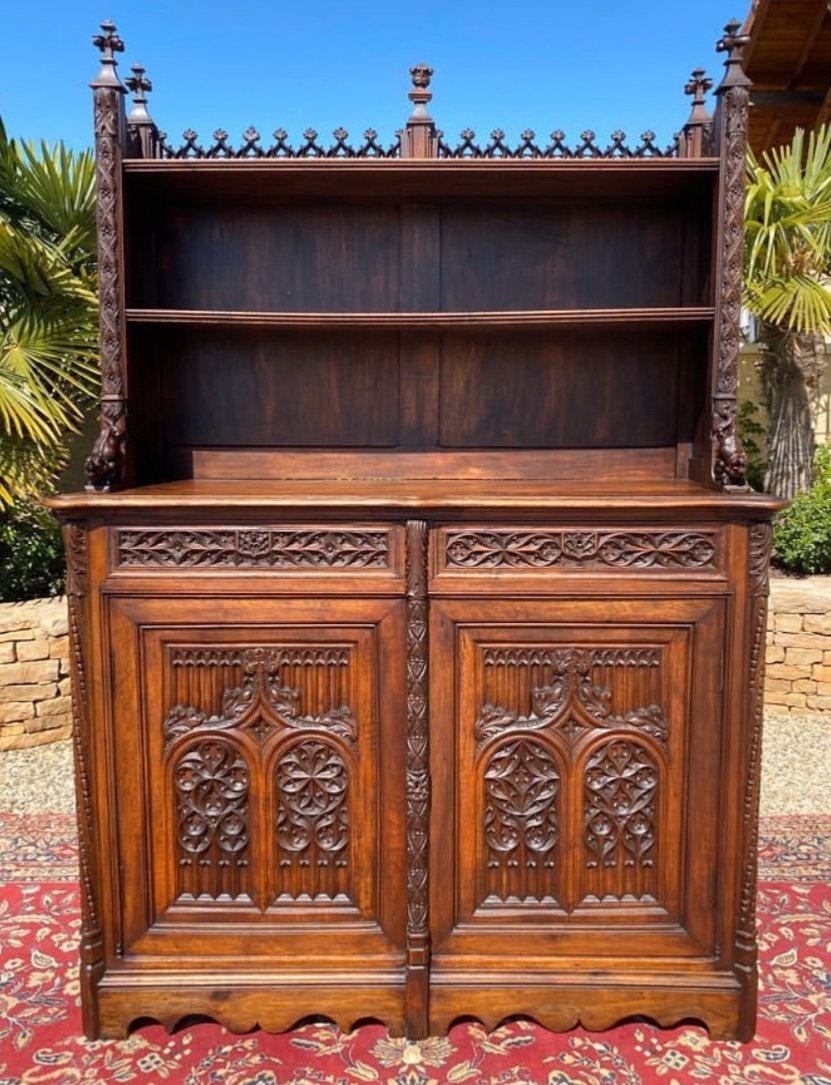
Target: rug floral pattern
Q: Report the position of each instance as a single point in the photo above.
(40, 1013)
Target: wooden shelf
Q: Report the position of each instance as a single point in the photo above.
(392, 179)
(426, 320)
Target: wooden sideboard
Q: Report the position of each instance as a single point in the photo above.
(417, 596)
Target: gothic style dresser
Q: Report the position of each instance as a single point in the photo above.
(417, 595)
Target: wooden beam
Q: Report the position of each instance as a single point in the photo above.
(822, 14)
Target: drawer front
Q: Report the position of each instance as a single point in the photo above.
(366, 553)
(470, 555)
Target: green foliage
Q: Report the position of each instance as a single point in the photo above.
(752, 434)
(31, 554)
(48, 309)
(802, 532)
(788, 234)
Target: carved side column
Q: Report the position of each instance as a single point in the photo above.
(729, 463)
(418, 785)
(759, 546)
(92, 946)
(106, 464)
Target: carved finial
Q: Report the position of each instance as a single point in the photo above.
(420, 95)
(139, 86)
(420, 140)
(733, 43)
(109, 43)
(697, 87)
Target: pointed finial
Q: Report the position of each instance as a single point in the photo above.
(733, 43)
(697, 87)
(420, 95)
(139, 86)
(109, 43)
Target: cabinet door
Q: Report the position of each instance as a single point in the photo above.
(250, 764)
(575, 753)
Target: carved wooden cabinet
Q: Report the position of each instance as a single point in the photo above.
(417, 596)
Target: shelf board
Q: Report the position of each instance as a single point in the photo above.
(391, 179)
(426, 320)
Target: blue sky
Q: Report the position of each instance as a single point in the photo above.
(542, 64)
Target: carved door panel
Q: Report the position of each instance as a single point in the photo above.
(575, 751)
(256, 829)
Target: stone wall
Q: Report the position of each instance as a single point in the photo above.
(798, 671)
(34, 673)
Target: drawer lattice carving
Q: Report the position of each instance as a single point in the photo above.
(272, 548)
(542, 549)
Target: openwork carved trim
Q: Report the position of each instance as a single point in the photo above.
(312, 820)
(105, 465)
(557, 147)
(312, 146)
(621, 783)
(570, 704)
(271, 548)
(260, 704)
(512, 549)
(252, 147)
(521, 820)
(211, 784)
(418, 779)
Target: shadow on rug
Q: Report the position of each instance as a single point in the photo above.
(40, 1017)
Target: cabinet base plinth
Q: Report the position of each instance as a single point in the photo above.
(241, 1009)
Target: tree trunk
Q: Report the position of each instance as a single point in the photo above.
(790, 369)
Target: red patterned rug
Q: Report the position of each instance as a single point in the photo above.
(40, 1017)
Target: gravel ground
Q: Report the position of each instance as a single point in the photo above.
(796, 771)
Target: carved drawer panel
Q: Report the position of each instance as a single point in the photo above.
(470, 551)
(312, 551)
(580, 736)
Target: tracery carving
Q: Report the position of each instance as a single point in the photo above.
(521, 819)
(621, 783)
(543, 549)
(260, 704)
(211, 785)
(546, 657)
(312, 819)
(570, 703)
(270, 547)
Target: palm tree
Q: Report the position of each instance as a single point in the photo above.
(48, 308)
(787, 277)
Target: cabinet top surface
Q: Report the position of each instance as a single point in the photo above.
(395, 495)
